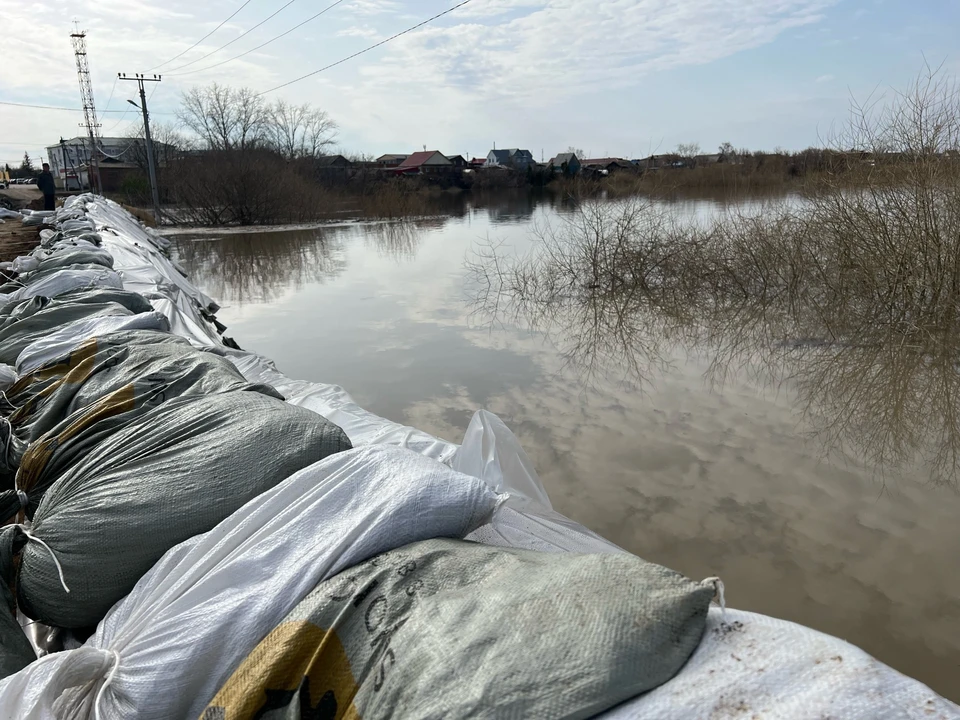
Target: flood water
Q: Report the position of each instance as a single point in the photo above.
(702, 456)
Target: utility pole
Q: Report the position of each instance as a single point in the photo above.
(151, 163)
(79, 39)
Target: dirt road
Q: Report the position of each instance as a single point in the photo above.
(21, 195)
(15, 239)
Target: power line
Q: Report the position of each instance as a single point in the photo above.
(68, 109)
(109, 100)
(243, 34)
(274, 39)
(372, 47)
(117, 123)
(43, 107)
(115, 126)
(201, 39)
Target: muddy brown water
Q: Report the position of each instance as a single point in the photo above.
(750, 478)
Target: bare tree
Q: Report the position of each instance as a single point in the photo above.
(688, 151)
(168, 144)
(728, 153)
(581, 155)
(321, 131)
(299, 131)
(225, 118)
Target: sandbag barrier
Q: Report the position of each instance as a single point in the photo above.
(106, 398)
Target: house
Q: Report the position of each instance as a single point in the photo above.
(566, 163)
(700, 160)
(333, 161)
(332, 167)
(118, 157)
(512, 158)
(478, 163)
(657, 162)
(429, 162)
(608, 165)
(391, 160)
(458, 161)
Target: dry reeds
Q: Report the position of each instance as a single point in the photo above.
(850, 296)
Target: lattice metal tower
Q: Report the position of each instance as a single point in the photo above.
(89, 110)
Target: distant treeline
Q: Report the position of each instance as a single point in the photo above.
(252, 162)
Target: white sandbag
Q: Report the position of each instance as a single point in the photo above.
(4, 213)
(166, 649)
(66, 280)
(25, 263)
(67, 337)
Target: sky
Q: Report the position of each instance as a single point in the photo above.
(625, 78)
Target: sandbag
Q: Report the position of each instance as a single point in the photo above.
(16, 336)
(64, 280)
(15, 649)
(450, 629)
(108, 386)
(177, 637)
(20, 309)
(33, 387)
(168, 475)
(71, 256)
(31, 383)
(25, 263)
(44, 272)
(67, 337)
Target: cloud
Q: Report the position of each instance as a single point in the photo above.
(376, 7)
(553, 47)
(361, 32)
(824, 79)
(489, 61)
(523, 59)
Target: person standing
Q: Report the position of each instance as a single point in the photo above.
(48, 188)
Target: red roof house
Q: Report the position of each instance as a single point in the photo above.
(429, 161)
